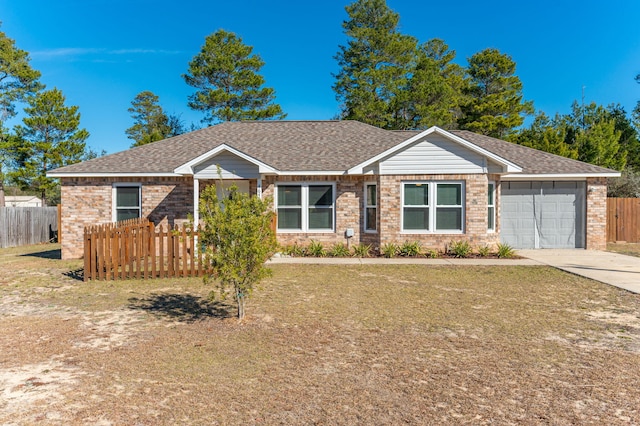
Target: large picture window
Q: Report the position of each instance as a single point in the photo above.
(432, 207)
(127, 202)
(305, 207)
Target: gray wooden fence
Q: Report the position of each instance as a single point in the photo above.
(27, 225)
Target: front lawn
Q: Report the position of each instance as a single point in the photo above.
(321, 344)
(630, 249)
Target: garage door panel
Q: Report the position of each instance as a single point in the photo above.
(543, 214)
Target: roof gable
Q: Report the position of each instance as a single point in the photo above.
(439, 138)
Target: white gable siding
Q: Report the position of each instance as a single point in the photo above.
(434, 155)
(231, 166)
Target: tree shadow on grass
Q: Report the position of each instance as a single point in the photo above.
(47, 254)
(181, 307)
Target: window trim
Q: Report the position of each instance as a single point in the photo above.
(114, 197)
(433, 207)
(304, 220)
(491, 186)
(368, 206)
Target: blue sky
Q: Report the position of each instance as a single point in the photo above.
(101, 53)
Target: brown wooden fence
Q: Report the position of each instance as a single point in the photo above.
(623, 220)
(137, 249)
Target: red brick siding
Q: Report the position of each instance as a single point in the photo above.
(596, 214)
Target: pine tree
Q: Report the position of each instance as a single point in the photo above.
(546, 135)
(151, 123)
(50, 138)
(375, 66)
(229, 86)
(495, 104)
(17, 81)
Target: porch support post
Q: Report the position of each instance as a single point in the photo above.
(259, 187)
(196, 202)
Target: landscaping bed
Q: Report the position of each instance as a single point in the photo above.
(322, 344)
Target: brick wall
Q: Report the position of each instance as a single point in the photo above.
(350, 213)
(475, 213)
(88, 201)
(596, 214)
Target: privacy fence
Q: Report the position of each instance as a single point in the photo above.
(27, 225)
(623, 220)
(137, 249)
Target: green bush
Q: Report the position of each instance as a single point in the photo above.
(362, 250)
(316, 249)
(505, 251)
(293, 250)
(410, 249)
(460, 248)
(432, 253)
(389, 250)
(340, 250)
(484, 251)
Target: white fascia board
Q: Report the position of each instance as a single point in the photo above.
(119, 174)
(187, 168)
(557, 176)
(510, 167)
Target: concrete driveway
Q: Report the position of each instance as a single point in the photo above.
(610, 268)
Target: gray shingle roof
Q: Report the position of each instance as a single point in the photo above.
(304, 146)
(283, 145)
(531, 160)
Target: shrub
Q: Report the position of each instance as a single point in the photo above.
(410, 249)
(432, 253)
(460, 248)
(389, 250)
(484, 251)
(316, 249)
(340, 250)
(293, 250)
(362, 250)
(505, 251)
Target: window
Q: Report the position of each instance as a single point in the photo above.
(491, 207)
(370, 207)
(127, 202)
(305, 207)
(432, 206)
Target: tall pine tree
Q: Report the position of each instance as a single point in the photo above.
(375, 66)
(49, 138)
(17, 81)
(229, 86)
(495, 104)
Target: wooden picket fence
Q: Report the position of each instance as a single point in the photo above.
(623, 220)
(136, 249)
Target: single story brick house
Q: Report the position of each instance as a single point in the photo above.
(336, 180)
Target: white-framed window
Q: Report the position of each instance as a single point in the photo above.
(491, 206)
(306, 207)
(127, 201)
(370, 207)
(432, 207)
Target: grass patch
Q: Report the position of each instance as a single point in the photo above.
(343, 344)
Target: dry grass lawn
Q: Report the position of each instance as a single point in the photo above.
(321, 345)
(630, 249)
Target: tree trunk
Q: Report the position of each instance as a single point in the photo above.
(241, 299)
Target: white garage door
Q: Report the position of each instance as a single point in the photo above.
(542, 214)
